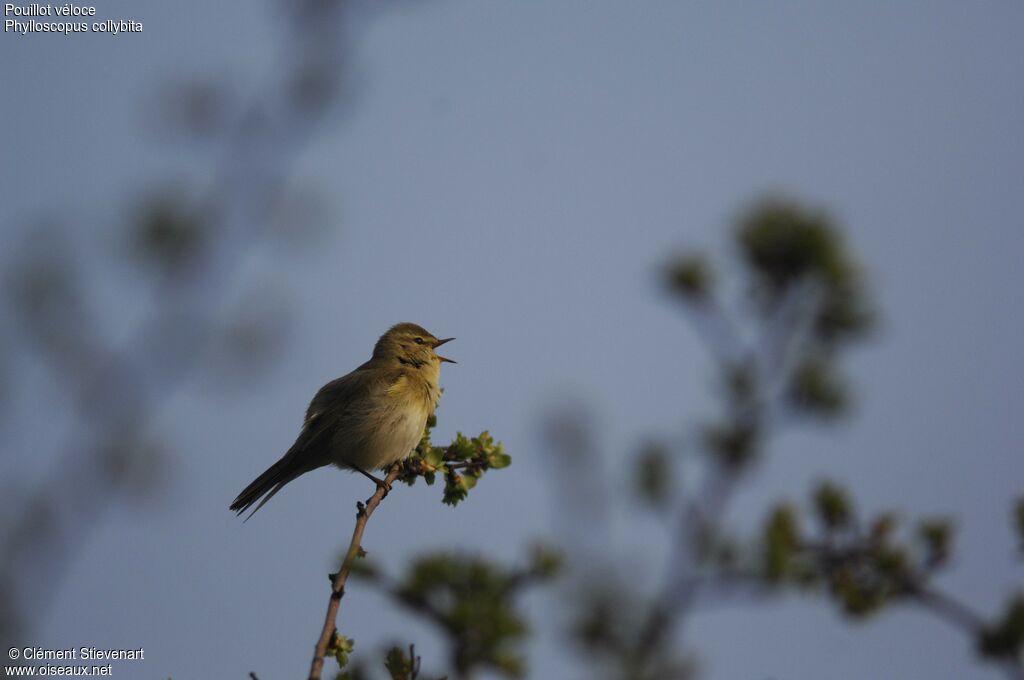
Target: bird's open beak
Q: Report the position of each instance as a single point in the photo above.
(443, 359)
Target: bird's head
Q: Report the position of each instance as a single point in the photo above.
(410, 344)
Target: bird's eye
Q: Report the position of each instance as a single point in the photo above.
(419, 341)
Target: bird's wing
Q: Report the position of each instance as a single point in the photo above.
(336, 394)
(334, 407)
(346, 396)
(323, 417)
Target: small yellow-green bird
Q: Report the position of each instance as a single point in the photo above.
(365, 420)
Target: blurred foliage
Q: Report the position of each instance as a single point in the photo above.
(777, 355)
(1003, 639)
(193, 109)
(734, 444)
(472, 602)
(113, 348)
(786, 246)
(833, 506)
(603, 624)
(781, 541)
(691, 276)
(608, 627)
(809, 301)
(816, 389)
(399, 664)
(654, 475)
(169, 233)
(862, 570)
(866, 570)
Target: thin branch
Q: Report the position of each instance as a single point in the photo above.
(717, 330)
(467, 465)
(700, 517)
(962, 616)
(951, 610)
(338, 583)
(699, 520)
(414, 661)
(913, 586)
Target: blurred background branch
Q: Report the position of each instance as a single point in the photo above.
(187, 246)
(777, 353)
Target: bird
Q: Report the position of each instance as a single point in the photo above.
(365, 420)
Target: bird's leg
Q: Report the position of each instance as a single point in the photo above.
(381, 483)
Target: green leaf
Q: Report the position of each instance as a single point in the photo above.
(816, 389)
(690, 276)
(734, 444)
(882, 528)
(1005, 638)
(546, 562)
(498, 460)
(788, 248)
(832, 505)
(398, 665)
(783, 242)
(857, 597)
(937, 536)
(653, 475)
(484, 440)
(892, 562)
(781, 536)
(434, 456)
(454, 491)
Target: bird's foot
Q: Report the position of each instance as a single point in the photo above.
(381, 483)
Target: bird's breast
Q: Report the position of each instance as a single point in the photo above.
(390, 426)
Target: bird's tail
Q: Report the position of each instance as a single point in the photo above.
(268, 484)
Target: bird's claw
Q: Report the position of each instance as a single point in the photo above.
(381, 483)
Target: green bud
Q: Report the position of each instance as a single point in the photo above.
(499, 460)
(340, 648)
(545, 562)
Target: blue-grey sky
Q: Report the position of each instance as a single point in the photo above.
(513, 174)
